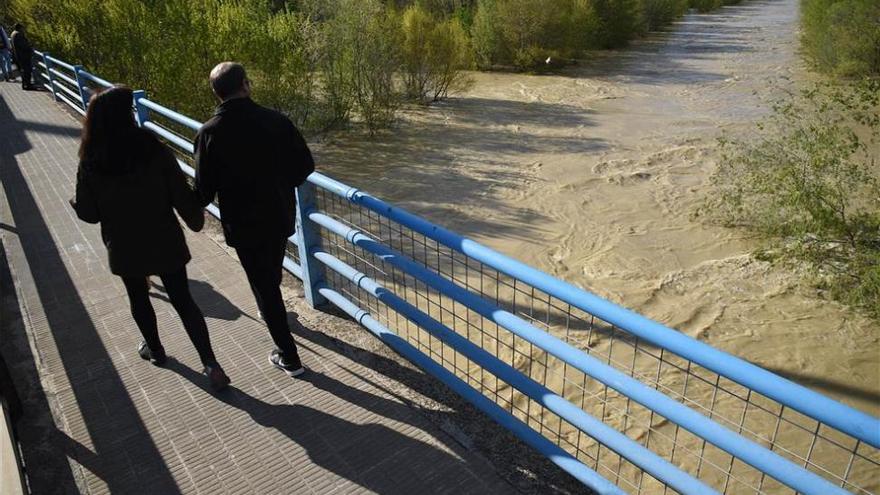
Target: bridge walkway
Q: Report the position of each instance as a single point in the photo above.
(103, 420)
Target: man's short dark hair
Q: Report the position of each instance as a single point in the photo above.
(227, 79)
(17, 27)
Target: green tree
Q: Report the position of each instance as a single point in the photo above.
(434, 54)
(366, 40)
(655, 14)
(487, 42)
(618, 22)
(527, 32)
(842, 37)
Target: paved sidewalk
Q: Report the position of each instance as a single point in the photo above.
(118, 424)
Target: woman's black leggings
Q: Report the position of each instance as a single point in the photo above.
(177, 287)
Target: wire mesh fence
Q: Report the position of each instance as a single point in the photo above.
(824, 450)
(58, 79)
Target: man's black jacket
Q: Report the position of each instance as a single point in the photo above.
(21, 48)
(251, 158)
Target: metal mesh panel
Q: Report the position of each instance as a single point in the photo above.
(293, 253)
(821, 449)
(41, 76)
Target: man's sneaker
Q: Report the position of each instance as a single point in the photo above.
(289, 364)
(216, 377)
(156, 357)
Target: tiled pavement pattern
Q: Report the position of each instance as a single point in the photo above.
(125, 426)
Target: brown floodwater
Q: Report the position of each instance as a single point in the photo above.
(593, 175)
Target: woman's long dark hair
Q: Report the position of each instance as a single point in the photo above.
(112, 143)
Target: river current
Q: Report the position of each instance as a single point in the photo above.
(593, 175)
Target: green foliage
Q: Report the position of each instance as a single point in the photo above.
(375, 37)
(326, 61)
(618, 22)
(808, 184)
(525, 33)
(322, 62)
(486, 36)
(435, 52)
(530, 29)
(842, 37)
(657, 13)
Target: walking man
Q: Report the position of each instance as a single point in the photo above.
(23, 51)
(252, 158)
(5, 55)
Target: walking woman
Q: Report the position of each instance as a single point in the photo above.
(131, 184)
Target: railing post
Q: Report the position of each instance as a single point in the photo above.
(142, 114)
(84, 93)
(49, 75)
(308, 238)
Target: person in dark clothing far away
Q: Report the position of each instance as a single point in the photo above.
(252, 158)
(5, 55)
(131, 184)
(23, 52)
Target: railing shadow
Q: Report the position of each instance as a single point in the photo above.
(108, 412)
(525, 469)
(818, 383)
(345, 448)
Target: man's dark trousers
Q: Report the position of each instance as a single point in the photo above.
(262, 264)
(26, 70)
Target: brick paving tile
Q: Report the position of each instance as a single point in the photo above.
(129, 427)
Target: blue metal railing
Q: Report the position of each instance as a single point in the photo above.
(511, 340)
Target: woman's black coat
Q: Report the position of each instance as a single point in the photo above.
(135, 208)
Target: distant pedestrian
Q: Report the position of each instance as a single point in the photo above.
(5, 55)
(252, 158)
(24, 54)
(131, 184)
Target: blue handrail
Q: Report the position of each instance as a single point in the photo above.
(171, 114)
(799, 398)
(95, 79)
(616, 441)
(750, 452)
(553, 452)
(62, 63)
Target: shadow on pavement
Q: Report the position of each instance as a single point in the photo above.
(343, 447)
(120, 440)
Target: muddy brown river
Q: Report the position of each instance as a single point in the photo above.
(593, 175)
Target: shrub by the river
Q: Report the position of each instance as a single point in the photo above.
(807, 183)
(435, 52)
(657, 13)
(842, 37)
(326, 61)
(619, 22)
(526, 33)
(363, 57)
